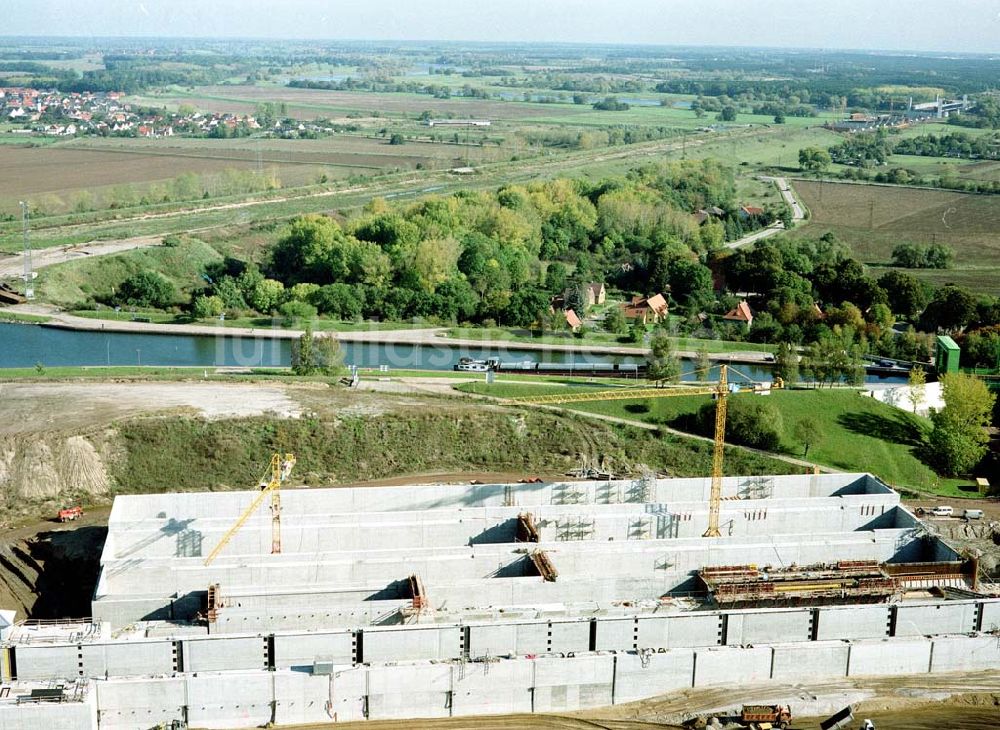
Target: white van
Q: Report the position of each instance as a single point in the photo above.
(973, 514)
(942, 511)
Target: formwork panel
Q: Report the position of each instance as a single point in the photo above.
(941, 618)
(229, 701)
(991, 615)
(853, 622)
(889, 656)
(731, 665)
(492, 640)
(810, 660)
(128, 658)
(47, 662)
(492, 688)
(768, 627)
(694, 631)
(224, 653)
(637, 677)
(653, 633)
(300, 650)
(615, 634)
(409, 691)
(567, 636)
(965, 653)
(573, 683)
(411, 643)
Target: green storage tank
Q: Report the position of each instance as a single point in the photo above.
(948, 354)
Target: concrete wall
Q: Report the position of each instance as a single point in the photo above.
(565, 685)
(499, 686)
(492, 688)
(965, 653)
(938, 618)
(723, 665)
(639, 677)
(794, 663)
(228, 700)
(217, 653)
(47, 662)
(302, 650)
(63, 716)
(417, 642)
(405, 691)
(889, 656)
(141, 703)
(128, 659)
(768, 627)
(853, 622)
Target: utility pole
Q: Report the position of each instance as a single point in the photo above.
(29, 286)
(871, 214)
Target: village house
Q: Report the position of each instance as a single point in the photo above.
(646, 310)
(572, 320)
(740, 314)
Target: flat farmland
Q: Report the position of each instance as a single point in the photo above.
(341, 150)
(312, 103)
(29, 171)
(54, 176)
(874, 219)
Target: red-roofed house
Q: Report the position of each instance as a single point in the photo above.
(750, 211)
(646, 310)
(740, 313)
(572, 320)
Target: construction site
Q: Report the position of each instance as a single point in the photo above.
(435, 601)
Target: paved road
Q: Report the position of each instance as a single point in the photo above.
(798, 214)
(12, 266)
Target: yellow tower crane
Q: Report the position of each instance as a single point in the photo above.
(280, 468)
(719, 390)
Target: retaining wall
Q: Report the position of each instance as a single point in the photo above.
(476, 640)
(415, 690)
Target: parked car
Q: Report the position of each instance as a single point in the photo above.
(942, 511)
(973, 514)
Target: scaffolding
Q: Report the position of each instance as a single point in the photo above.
(861, 581)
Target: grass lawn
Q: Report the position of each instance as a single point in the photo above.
(598, 338)
(26, 318)
(859, 433)
(262, 323)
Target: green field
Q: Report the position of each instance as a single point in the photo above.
(859, 433)
(874, 219)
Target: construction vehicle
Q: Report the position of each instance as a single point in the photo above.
(839, 720)
(766, 717)
(280, 468)
(720, 391)
(70, 513)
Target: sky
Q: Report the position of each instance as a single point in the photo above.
(928, 25)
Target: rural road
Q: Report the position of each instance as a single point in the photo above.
(12, 266)
(798, 214)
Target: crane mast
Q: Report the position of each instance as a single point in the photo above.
(280, 468)
(718, 454)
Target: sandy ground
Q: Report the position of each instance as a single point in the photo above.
(32, 407)
(956, 702)
(13, 265)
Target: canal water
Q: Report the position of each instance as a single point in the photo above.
(28, 345)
